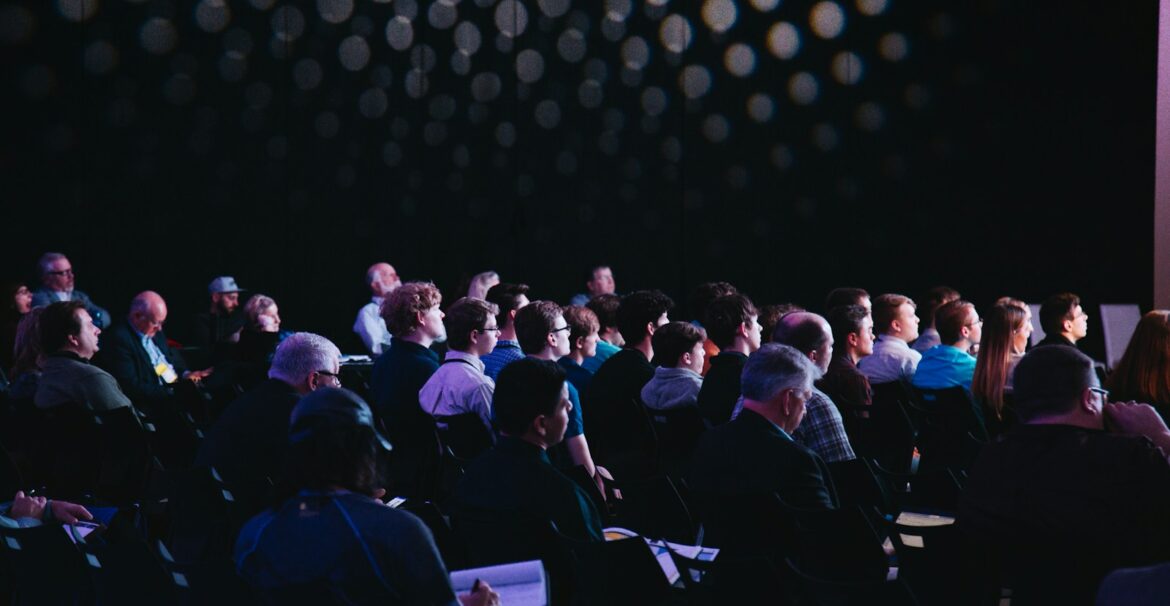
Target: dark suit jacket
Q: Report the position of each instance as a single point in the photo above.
(613, 420)
(101, 318)
(751, 456)
(721, 387)
(123, 356)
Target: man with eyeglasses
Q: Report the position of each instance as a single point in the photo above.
(949, 364)
(57, 279)
(459, 386)
(1063, 319)
(1079, 487)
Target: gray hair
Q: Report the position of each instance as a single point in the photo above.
(47, 260)
(302, 354)
(256, 305)
(774, 368)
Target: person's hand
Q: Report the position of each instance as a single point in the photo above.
(27, 507)
(1139, 419)
(69, 513)
(484, 596)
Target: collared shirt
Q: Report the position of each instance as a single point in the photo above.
(576, 373)
(944, 366)
(604, 351)
(891, 360)
(155, 354)
(822, 430)
(505, 353)
(927, 339)
(458, 386)
(370, 326)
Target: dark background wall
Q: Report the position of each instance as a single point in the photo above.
(998, 147)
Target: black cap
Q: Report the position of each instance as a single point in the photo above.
(329, 408)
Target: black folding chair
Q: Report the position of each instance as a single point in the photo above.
(654, 508)
(677, 433)
(500, 537)
(44, 566)
(887, 434)
(857, 485)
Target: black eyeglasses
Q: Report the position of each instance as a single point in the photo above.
(495, 329)
(1104, 393)
(63, 272)
(560, 329)
(336, 377)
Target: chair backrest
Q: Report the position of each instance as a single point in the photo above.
(654, 508)
(745, 525)
(611, 572)
(857, 486)
(465, 435)
(1117, 325)
(888, 433)
(1037, 330)
(500, 537)
(677, 432)
(44, 566)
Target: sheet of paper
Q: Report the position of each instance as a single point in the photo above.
(522, 583)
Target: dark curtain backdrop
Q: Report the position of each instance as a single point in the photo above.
(789, 147)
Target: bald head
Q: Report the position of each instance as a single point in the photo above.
(809, 333)
(148, 312)
(382, 279)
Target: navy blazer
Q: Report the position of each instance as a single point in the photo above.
(123, 355)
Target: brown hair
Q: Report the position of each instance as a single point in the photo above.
(995, 355)
(885, 310)
(725, 315)
(26, 351)
(465, 315)
(674, 339)
(533, 323)
(582, 322)
(1143, 374)
(950, 319)
(401, 308)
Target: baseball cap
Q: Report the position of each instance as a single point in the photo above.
(223, 284)
(331, 408)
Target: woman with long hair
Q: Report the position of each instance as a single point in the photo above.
(1005, 337)
(1144, 371)
(17, 303)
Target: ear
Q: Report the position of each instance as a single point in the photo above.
(686, 359)
(853, 339)
(579, 343)
(1087, 402)
(742, 330)
(473, 337)
(650, 328)
(537, 425)
(895, 327)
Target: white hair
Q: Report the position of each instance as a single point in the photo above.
(302, 354)
(46, 261)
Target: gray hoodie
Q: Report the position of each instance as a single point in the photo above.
(672, 388)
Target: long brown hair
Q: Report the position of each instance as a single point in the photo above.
(995, 354)
(1144, 371)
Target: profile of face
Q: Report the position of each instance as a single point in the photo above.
(867, 304)
(59, 275)
(1020, 335)
(602, 282)
(22, 300)
(268, 319)
(1078, 327)
(796, 405)
(864, 345)
(824, 353)
(974, 326)
(559, 337)
(150, 320)
(85, 342)
(487, 337)
(907, 319)
(754, 332)
(385, 280)
(588, 344)
(697, 356)
(555, 424)
(225, 302)
(431, 323)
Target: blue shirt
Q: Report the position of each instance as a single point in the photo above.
(604, 351)
(944, 366)
(504, 354)
(576, 373)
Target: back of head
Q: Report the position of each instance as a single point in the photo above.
(1055, 310)
(639, 309)
(401, 308)
(507, 298)
(533, 323)
(301, 354)
(725, 315)
(802, 330)
(1050, 380)
(934, 299)
(995, 351)
(673, 339)
(526, 389)
(774, 368)
(885, 310)
(770, 315)
(256, 305)
(704, 294)
(950, 319)
(606, 308)
(481, 283)
(58, 321)
(845, 296)
(26, 349)
(582, 322)
(333, 442)
(1143, 374)
(465, 315)
(845, 319)
(45, 263)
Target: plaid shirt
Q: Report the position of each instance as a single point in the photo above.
(822, 430)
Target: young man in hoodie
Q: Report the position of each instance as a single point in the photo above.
(679, 351)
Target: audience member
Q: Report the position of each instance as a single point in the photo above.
(509, 298)
(679, 350)
(136, 352)
(948, 364)
(770, 315)
(823, 430)
(1002, 345)
(69, 337)
(333, 536)
(1058, 498)
(598, 281)
(247, 443)
(57, 285)
(853, 338)
(544, 334)
(616, 388)
(732, 323)
(413, 317)
(258, 340)
(609, 338)
(382, 279)
(18, 302)
(583, 339)
(1143, 374)
(754, 454)
(897, 326)
(219, 328)
(935, 298)
(27, 358)
(459, 385)
(700, 300)
(848, 296)
(531, 406)
(481, 283)
(1063, 320)
(26, 512)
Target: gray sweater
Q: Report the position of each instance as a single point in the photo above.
(672, 388)
(68, 378)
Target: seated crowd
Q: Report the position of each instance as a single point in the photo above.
(504, 406)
